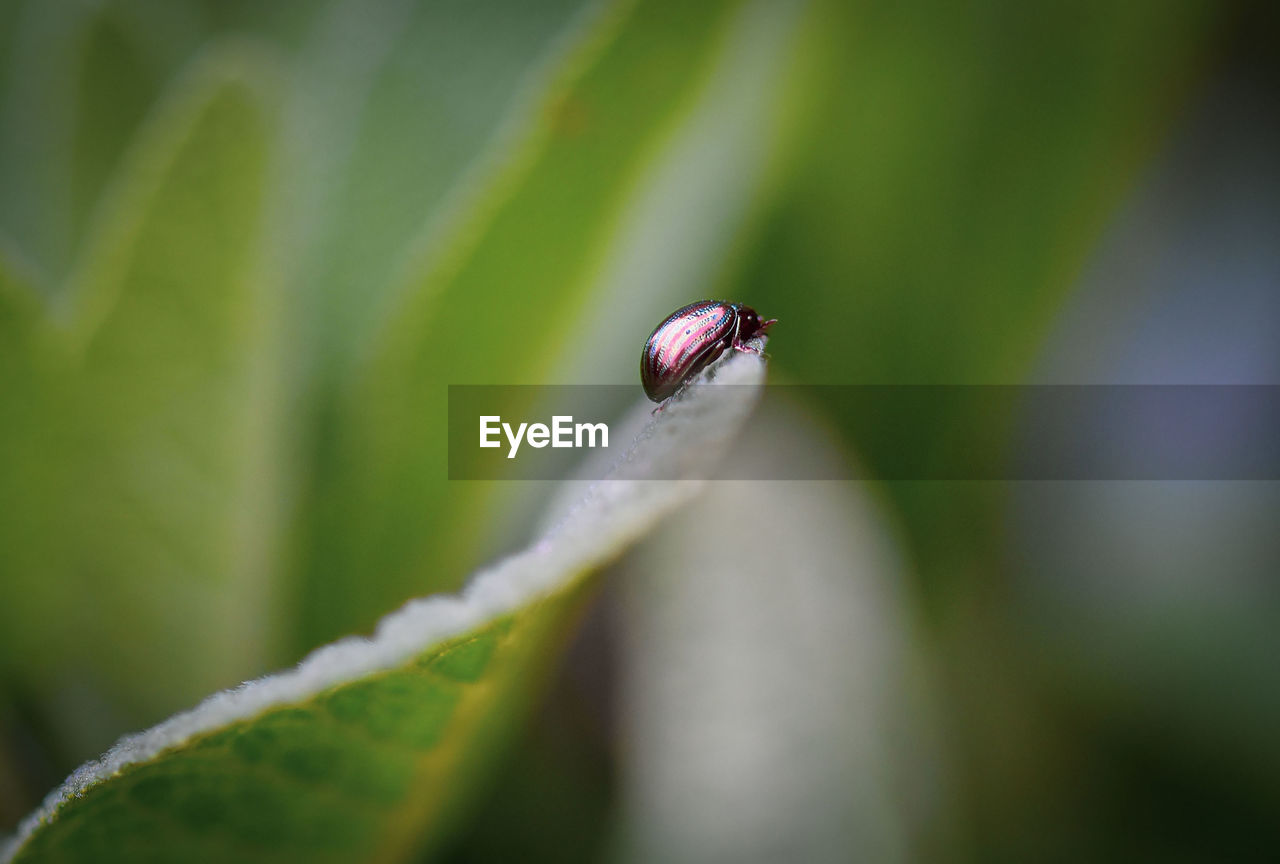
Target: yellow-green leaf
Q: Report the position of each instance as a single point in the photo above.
(133, 491)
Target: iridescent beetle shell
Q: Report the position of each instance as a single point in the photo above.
(690, 338)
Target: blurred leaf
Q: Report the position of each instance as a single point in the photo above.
(137, 417)
(959, 165)
(494, 290)
(35, 132)
(369, 748)
(1151, 605)
(122, 69)
(773, 705)
(78, 80)
(402, 108)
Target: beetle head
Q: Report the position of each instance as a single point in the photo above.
(750, 323)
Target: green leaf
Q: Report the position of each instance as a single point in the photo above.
(399, 110)
(80, 80)
(36, 127)
(967, 161)
(956, 172)
(490, 295)
(133, 490)
(368, 748)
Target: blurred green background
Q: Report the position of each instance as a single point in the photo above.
(244, 248)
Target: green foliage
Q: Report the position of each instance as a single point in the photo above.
(489, 304)
(355, 773)
(959, 166)
(371, 747)
(229, 438)
(244, 247)
(130, 413)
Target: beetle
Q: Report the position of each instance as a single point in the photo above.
(690, 338)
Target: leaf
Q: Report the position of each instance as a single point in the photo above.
(400, 109)
(771, 698)
(35, 170)
(140, 425)
(489, 296)
(371, 743)
(956, 171)
(80, 80)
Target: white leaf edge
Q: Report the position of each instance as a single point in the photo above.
(684, 441)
